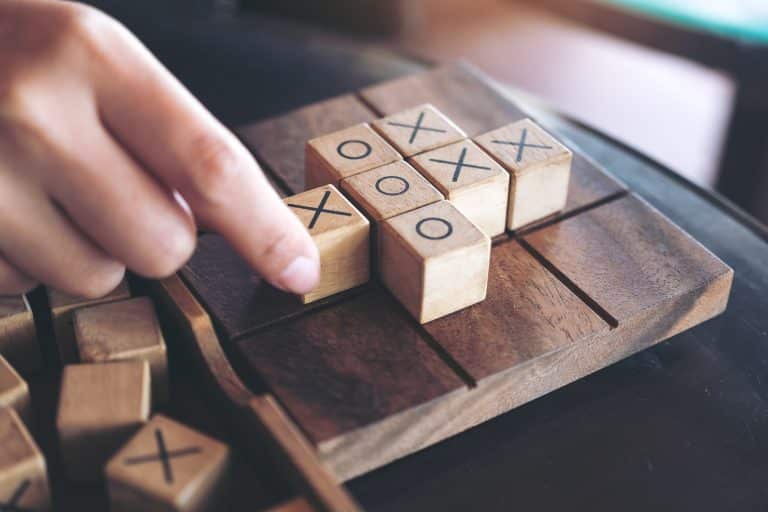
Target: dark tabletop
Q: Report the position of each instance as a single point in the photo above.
(681, 426)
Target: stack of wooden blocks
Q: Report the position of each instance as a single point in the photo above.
(435, 199)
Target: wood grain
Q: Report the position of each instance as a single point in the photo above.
(193, 479)
(100, 407)
(126, 330)
(18, 338)
(418, 129)
(477, 105)
(14, 391)
(471, 180)
(349, 365)
(22, 466)
(627, 257)
(258, 414)
(279, 142)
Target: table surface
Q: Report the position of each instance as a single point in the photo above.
(681, 426)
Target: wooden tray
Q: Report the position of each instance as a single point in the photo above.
(365, 383)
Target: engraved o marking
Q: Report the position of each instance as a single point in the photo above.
(448, 228)
(345, 153)
(404, 185)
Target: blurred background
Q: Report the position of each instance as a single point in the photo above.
(683, 81)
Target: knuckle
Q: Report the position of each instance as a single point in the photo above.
(85, 23)
(216, 165)
(171, 253)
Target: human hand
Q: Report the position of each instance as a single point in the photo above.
(108, 162)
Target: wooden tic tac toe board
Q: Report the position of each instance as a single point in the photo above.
(363, 381)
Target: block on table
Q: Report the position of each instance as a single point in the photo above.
(125, 330)
(390, 190)
(434, 260)
(100, 407)
(62, 308)
(539, 167)
(18, 337)
(14, 391)
(338, 155)
(23, 477)
(342, 235)
(418, 129)
(471, 180)
(168, 466)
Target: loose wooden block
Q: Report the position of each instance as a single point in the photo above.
(23, 477)
(342, 235)
(434, 260)
(14, 391)
(167, 466)
(540, 169)
(100, 407)
(62, 308)
(471, 180)
(418, 129)
(126, 330)
(18, 338)
(390, 190)
(338, 155)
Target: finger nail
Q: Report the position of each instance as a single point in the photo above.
(300, 276)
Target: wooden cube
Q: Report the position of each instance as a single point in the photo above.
(23, 477)
(471, 180)
(540, 169)
(125, 330)
(434, 260)
(338, 155)
(390, 190)
(418, 129)
(18, 338)
(100, 407)
(168, 466)
(14, 391)
(62, 309)
(342, 235)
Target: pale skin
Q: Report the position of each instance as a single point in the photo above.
(107, 162)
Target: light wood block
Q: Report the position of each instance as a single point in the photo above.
(471, 180)
(167, 466)
(18, 338)
(539, 166)
(100, 407)
(338, 155)
(418, 129)
(342, 235)
(125, 330)
(434, 260)
(14, 391)
(62, 308)
(390, 190)
(23, 477)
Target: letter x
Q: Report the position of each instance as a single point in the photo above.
(163, 456)
(521, 144)
(459, 165)
(320, 209)
(13, 504)
(416, 127)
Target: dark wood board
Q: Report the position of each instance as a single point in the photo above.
(571, 295)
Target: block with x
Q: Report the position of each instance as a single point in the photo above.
(342, 235)
(471, 180)
(23, 477)
(418, 129)
(168, 466)
(539, 167)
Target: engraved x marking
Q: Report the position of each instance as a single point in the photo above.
(163, 456)
(320, 209)
(416, 127)
(459, 165)
(12, 505)
(521, 144)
